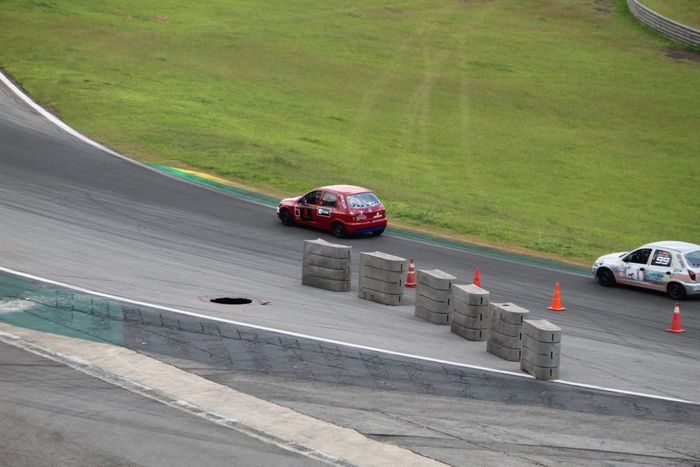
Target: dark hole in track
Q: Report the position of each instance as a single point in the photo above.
(231, 301)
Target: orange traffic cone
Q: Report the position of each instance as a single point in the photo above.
(556, 300)
(477, 278)
(411, 277)
(676, 321)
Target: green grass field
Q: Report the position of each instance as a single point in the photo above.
(555, 126)
(683, 11)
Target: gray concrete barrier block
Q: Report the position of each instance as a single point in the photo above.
(381, 274)
(326, 273)
(506, 353)
(381, 278)
(469, 322)
(380, 297)
(541, 347)
(511, 330)
(541, 330)
(395, 287)
(326, 262)
(432, 317)
(435, 306)
(433, 294)
(327, 284)
(326, 265)
(384, 261)
(504, 340)
(539, 372)
(505, 330)
(467, 333)
(508, 312)
(544, 360)
(435, 279)
(472, 311)
(323, 248)
(470, 294)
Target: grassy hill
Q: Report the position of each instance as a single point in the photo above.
(683, 11)
(557, 126)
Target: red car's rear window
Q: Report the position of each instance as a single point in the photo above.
(363, 200)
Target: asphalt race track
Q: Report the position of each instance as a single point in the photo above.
(53, 415)
(75, 214)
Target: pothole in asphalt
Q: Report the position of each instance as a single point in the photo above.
(231, 301)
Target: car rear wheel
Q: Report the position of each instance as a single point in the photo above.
(606, 277)
(377, 233)
(676, 291)
(286, 217)
(339, 230)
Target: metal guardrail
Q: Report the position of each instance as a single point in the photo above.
(669, 28)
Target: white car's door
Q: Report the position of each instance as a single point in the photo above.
(635, 266)
(659, 270)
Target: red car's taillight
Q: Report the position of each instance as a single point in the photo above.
(691, 274)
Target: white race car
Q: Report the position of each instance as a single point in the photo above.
(668, 266)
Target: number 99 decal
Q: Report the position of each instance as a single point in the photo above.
(661, 258)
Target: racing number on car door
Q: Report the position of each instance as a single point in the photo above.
(659, 270)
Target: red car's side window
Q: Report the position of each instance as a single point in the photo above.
(311, 198)
(329, 200)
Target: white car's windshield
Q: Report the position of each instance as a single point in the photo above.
(693, 258)
(363, 200)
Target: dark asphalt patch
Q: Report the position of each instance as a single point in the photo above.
(232, 301)
(683, 54)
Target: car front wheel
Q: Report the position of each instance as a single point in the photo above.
(606, 277)
(676, 291)
(286, 217)
(339, 230)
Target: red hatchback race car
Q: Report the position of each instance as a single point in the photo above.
(342, 209)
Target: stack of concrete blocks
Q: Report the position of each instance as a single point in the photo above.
(326, 265)
(433, 294)
(506, 331)
(382, 277)
(541, 348)
(470, 312)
